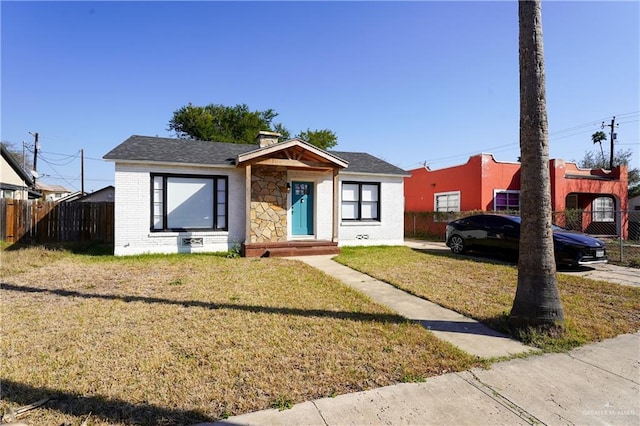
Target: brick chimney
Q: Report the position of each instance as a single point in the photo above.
(267, 138)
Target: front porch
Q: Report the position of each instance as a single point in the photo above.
(291, 199)
(290, 248)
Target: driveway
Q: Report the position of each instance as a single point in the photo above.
(608, 272)
(601, 272)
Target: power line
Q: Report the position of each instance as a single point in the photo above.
(94, 159)
(588, 128)
(594, 122)
(70, 159)
(77, 179)
(56, 172)
(76, 155)
(61, 155)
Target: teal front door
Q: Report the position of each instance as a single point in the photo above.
(302, 208)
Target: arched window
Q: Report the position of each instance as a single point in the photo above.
(603, 209)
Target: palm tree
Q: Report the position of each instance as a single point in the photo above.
(598, 137)
(537, 300)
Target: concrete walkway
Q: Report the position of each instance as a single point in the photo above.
(607, 272)
(465, 333)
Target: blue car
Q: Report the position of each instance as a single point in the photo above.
(494, 232)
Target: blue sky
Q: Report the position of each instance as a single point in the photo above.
(410, 82)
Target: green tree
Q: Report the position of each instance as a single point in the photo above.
(237, 124)
(622, 157)
(598, 137)
(537, 299)
(279, 128)
(220, 123)
(323, 139)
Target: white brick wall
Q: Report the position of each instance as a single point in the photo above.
(132, 233)
(133, 211)
(390, 229)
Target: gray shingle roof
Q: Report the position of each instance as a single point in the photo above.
(361, 162)
(170, 150)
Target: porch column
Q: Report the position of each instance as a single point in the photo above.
(247, 203)
(336, 204)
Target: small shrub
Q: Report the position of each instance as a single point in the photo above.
(235, 251)
(283, 402)
(411, 377)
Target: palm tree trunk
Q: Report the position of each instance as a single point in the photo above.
(537, 300)
(603, 159)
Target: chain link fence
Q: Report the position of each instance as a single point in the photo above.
(619, 229)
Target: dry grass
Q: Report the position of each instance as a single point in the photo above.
(594, 310)
(182, 339)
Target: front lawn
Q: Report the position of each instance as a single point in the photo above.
(484, 290)
(182, 339)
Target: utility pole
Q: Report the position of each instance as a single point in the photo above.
(612, 137)
(24, 164)
(35, 156)
(24, 159)
(82, 172)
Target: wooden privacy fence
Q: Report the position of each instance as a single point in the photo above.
(34, 221)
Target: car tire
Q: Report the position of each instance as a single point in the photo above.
(456, 244)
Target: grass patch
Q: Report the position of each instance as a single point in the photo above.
(484, 290)
(181, 339)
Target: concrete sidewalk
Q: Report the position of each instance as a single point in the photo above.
(594, 385)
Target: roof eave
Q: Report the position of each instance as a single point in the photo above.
(172, 163)
(271, 149)
(396, 175)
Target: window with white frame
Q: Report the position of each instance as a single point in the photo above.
(506, 199)
(361, 201)
(446, 202)
(188, 202)
(603, 209)
(7, 193)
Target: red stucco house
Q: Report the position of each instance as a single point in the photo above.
(483, 183)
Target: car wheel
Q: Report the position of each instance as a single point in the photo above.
(456, 244)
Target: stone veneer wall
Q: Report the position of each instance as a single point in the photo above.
(268, 204)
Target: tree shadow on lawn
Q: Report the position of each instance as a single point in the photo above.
(116, 410)
(354, 316)
(109, 410)
(481, 328)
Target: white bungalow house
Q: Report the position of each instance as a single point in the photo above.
(269, 199)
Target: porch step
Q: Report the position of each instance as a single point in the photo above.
(290, 248)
